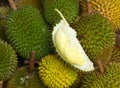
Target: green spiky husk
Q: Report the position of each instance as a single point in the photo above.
(8, 61)
(96, 36)
(27, 31)
(110, 79)
(33, 3)
(115, 54)
(22, 79)
(109, 9)
(69, 8)
(55, 73)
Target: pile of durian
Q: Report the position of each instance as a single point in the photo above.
(28, 58)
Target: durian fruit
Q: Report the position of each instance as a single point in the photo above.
(22, 79)
(69, 8)
(115, 54)
(109, 9)
(27, 31)
(110, 79)
(55, 73)
(33, 3)
(96, 36)
(8, 61)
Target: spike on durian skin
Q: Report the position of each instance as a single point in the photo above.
(96, 35)
(55, 73)
(115, 57)
(8, 61)
(27, 31)
(69, 8)
(109, 9)
(22, 79)
(110, 79)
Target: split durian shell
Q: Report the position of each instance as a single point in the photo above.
(8, 60)
(55, 73)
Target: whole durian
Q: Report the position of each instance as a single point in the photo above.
(33, 3)
(69, 8)
(55, 73)
(8, 61)
(109, 9)
(115, 54)
(110, 79)
(96, 35)
(27, 31)
(22, 79)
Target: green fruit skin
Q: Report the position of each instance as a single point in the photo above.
(8, 61)
(28, 32)
(69, 8)
(22, 79)
(96, 36)
(110, 79)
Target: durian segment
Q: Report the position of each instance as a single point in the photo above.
(27, 31)
(69, 8)
(55, 73)
(96, 35)
(115, 54)
(110, 79)
(8, 61)
(22, 79)
(33, 3)
(109, 9)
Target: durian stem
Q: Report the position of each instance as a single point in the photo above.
(1, 84)
(12, 4)
(89, 9)
(101, 67)
(31, 64)
(27, 62)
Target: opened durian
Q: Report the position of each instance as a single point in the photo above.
(27, 31)
(22, 79)
(55, 73)
(8, 61)
(109, 9)
(96, 35)
(69, 8)
(110, 79)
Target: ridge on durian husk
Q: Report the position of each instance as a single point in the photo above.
(55, 73)
(109, 9)
(8, 61)
(27, 31)
(33, 3)
(69, 8)
(115, 57)
(109, 79)
(22, 79)
(96, 35)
